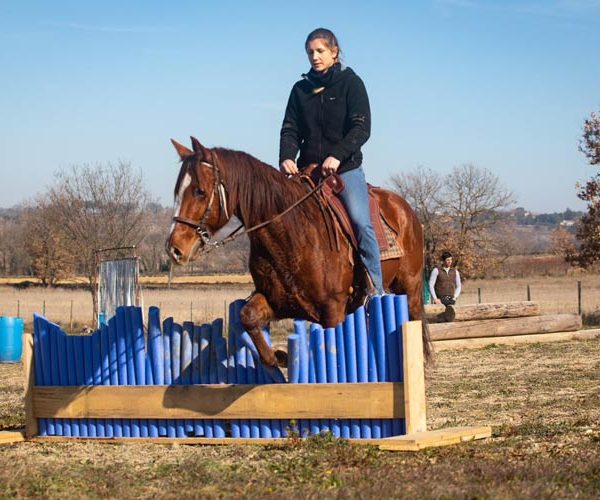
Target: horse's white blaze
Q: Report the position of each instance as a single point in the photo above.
(185, 182)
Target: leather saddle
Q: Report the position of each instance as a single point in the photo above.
(331, 202)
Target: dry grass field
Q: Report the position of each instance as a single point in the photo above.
(543, 401)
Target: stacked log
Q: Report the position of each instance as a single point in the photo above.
(437, 313)
(495, 320)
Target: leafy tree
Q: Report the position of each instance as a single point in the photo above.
(588, 230)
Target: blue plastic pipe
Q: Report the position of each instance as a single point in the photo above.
(97, 371)
(351, 364)
(139, 358)
(186, 364)
(215, 363)
(377, 357)
(113, 360)
(391, 337)
(204, 354)
(362, 361)
(167, 333)
(331, 375)
(156, 355)
(105, 370)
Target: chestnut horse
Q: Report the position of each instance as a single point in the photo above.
(296, 272)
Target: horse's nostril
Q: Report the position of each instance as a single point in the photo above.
(175, 253)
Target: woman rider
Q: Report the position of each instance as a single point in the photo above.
(327, 120)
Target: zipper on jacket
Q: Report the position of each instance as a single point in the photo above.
(322, 125)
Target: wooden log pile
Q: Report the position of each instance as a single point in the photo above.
(495, 320)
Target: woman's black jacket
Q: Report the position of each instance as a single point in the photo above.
(326, 116)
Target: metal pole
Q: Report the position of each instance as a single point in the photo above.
(479, 295)
(44, 308)
(579, 298)
(18, 308)
(191, 311)
(71, 322)
(528, 292)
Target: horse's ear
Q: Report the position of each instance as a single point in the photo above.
(182, 151)
(199, 148)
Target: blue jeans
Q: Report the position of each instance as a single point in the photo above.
(356, 200)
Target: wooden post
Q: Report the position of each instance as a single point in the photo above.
(579, 298)
(479, 295)
(528, 293)
(71, 320)
(414, 377)
(44, 308)
(31, 426)
(18, 308)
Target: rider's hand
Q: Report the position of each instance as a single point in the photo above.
(330, 165)
(289, 167)
(438, 301)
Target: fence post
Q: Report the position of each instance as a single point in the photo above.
(479, 295)
(71, 321)
(18, 308)
(528, 293)
(579, 298)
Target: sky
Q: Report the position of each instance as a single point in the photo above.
(503, 85)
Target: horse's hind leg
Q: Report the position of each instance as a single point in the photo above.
(255, 315)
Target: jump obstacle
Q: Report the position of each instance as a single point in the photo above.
(363, 381)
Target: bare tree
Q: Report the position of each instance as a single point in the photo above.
(97, 207)
(45, 243)
(461, 212)
(424, 190)
(14, 259)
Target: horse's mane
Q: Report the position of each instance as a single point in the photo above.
(262, 191)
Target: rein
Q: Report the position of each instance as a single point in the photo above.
(219, 187)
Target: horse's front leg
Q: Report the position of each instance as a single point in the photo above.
(255, 315)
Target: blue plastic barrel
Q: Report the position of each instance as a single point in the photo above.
(11, 339)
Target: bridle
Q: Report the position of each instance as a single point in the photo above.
(202, 230)
(218, 187)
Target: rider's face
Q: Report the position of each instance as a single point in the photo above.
(320, 56)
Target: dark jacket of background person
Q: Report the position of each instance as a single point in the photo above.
(326, 115)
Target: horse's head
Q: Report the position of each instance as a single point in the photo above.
(200, 202)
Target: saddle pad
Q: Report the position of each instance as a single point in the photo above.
(393, 251)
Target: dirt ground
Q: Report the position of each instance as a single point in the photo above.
(543, 401)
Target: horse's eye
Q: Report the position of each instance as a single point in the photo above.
(199, 193)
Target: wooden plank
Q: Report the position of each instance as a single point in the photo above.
(477, 343)
(441, 437)
(276, 401)
(8, 437)
(413, 442)
(505, 327)
(31, 425)
(414, 377)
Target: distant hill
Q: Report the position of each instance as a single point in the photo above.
(524, 217)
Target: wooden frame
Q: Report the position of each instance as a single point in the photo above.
(277, 401)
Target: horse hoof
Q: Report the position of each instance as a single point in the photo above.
(282, 358)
